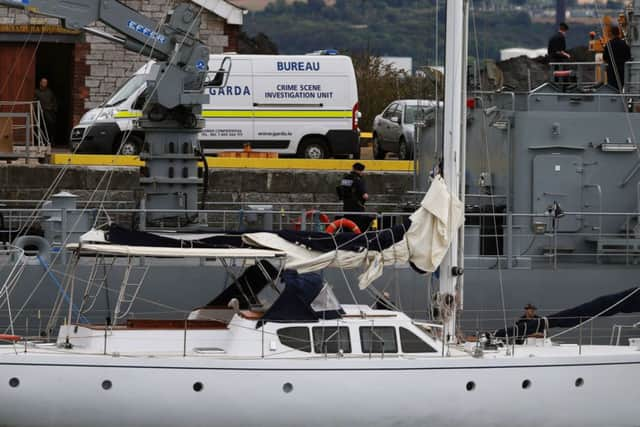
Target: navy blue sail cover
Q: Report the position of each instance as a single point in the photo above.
(347, 241)
(577, 315)
(247, 287)
(317, 241)
(119, 235)
(574, 316)
(294, 304)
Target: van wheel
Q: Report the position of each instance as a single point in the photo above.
(313, 149)
(131, 147)
(378, 152)
(404, 151)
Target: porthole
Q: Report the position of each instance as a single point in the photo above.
(14, 382)
(579, 382)
(106, 384)
(287, 387)
(526, 384)
(198, 386)
(471, 386)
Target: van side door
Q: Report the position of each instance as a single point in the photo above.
(229, 121)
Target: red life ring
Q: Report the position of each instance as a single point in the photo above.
(324, 219)
(11, 338)
(343, 223)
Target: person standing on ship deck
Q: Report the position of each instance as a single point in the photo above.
(616, 54)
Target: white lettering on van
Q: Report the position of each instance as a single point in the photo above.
(230, 91)
(298, 65)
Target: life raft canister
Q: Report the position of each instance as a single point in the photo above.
(324, 218)
(343, 223)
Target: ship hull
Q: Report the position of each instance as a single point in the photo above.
(565, 391)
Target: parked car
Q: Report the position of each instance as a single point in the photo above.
(394, 129)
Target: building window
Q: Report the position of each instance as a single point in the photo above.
(411, 343)
(379, 339)
(296, 337)
(331, 339)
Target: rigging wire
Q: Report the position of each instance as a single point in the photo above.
(485, 142)
(107, 174)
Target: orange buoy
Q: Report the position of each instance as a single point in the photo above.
(11, 338)
(343, 223)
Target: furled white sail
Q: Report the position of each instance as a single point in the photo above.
(424, 244)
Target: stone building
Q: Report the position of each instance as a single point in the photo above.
(84, 69)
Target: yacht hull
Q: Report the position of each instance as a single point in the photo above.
(67, 390)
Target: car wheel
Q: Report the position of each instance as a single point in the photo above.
(378, 153)
(313, 149)
(404, 151)
(131, 147)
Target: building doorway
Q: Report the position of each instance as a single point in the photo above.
(54, 61)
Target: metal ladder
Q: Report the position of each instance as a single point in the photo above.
(96, 282)
(129, 290)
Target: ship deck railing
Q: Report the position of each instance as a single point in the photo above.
(35, 325)
(515, 240)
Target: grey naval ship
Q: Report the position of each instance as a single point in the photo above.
(552, 215)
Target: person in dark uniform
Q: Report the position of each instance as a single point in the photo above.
(353, 193)
(556, 50)
(616, 54)
(530, 324)
(49, 105)
(557, 47)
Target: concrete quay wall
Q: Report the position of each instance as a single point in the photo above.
(20, 183)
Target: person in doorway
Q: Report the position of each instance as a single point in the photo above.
(49, 104)
(616, 54)
(557, 47)
(353, 193)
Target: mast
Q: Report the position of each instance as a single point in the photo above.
(455, 119)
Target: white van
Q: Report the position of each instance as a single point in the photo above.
(305, 106)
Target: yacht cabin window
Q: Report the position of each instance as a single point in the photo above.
(378, 339)
(331, 339)
(297, 338)
(411, 343)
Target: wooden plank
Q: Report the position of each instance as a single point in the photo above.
(6, 135)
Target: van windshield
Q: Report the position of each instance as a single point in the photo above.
(414, 113)
(125, 91)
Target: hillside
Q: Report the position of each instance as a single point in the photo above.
(395, 28)
(262, 4)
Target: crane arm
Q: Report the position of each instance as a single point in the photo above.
(139, 33)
